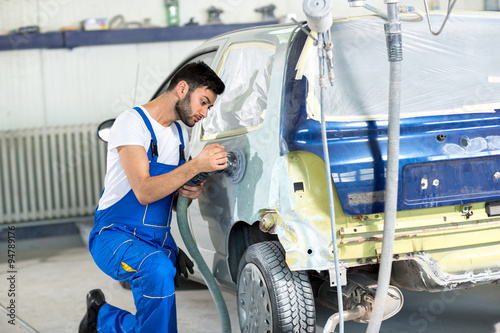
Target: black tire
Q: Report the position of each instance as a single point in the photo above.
(271, 298)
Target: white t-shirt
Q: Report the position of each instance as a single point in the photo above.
(129, 129)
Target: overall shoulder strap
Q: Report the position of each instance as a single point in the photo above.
(182, 157)
(153, 148)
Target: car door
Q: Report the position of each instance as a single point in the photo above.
(209, 53)
(245, 68)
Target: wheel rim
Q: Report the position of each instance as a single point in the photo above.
(254, 302)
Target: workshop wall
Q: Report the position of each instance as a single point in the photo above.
(44, 87)
(51, 15)
(83, 85)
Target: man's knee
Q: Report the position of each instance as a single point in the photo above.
(156, 276)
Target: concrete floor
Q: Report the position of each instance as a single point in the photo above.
(51, 288)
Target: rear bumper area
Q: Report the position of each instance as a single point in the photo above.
(423, 273)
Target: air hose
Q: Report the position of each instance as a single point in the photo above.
(187, 237)
(319, 19)
(234, 171)
(395, 57)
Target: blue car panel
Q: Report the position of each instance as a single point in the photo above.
(459, 153)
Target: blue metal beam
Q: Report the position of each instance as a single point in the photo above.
(72, 39)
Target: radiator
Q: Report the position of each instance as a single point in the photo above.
(50, 173)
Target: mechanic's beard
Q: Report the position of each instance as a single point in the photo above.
(184, 111)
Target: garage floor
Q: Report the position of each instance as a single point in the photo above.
(51, 289)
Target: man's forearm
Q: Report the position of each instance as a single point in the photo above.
(155, 188)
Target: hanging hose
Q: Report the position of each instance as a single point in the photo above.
(394, 47)
(234, 171)
(450, 8)
(319, 19)
(187, 237)
(391, 186)
(324, 46)
(340, 314)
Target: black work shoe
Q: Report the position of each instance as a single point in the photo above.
(95, 300)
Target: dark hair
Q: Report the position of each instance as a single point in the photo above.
(197, 75)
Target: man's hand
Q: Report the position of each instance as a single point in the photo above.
(212, 158)
(191, 192)
(182, 265)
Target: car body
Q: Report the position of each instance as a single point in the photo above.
(448, 224)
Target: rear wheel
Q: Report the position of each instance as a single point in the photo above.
(271, 298)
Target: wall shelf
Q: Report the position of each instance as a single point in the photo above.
(72, 39)
(32, 41)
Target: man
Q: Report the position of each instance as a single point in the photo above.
(146, 167)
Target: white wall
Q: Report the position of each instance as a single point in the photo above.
(83, 85)
(89, 84)
(51, 15)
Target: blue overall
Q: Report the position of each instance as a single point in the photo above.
(132, 242)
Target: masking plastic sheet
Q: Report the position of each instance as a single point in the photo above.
(246, 71)
(455, 72)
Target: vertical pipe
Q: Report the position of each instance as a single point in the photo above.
(394, 49)
(7, 194)
(22, 161)
(87, 174)
(95, 167)
(71, 168)
(40, 207)
(62, 168)
(76, 171)
(102, 150)
(21, 168)
(31, 185)
(80, 189)
(14, 179)
(52, 163)
(49, 196)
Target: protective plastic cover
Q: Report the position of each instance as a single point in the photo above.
(455, 72)
(245, 70)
